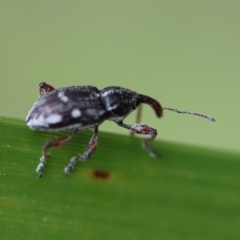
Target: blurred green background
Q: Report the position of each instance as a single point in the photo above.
(183, 53)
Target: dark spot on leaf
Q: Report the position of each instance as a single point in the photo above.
(101, 174)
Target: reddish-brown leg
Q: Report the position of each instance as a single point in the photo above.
(92, 145)
(145, 130)
(45, 88)
(58, 142)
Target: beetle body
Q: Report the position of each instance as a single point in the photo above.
(86, 107)
(68, 108)
(82, 107)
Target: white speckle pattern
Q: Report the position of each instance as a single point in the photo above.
(62, 96)
(76, 113)
(107, 92)
(40, 121)
(53, 118)
(37, 121)
(113, 107)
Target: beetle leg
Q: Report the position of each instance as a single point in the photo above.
(92, 145)
(45, 88)
(140, 128)
(53, 143)
(138, 116)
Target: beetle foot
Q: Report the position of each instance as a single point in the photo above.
(40, 167)
(69, 168)
(151, 151)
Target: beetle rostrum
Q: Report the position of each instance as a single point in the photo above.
(86, 107)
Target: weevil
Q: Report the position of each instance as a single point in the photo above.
(86, 107)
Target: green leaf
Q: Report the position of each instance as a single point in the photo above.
(120, 193)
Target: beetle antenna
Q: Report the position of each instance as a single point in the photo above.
(192, 113)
